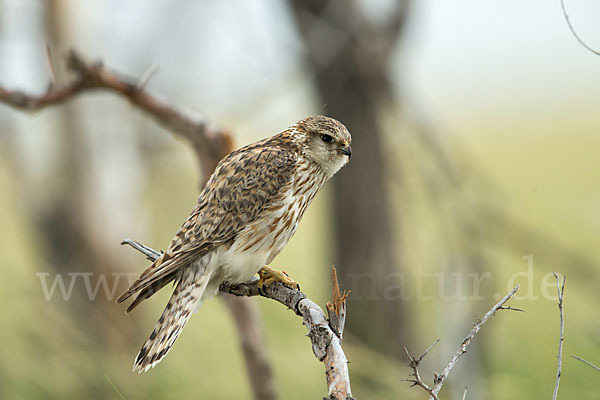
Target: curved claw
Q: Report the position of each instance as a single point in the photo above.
(268, 276)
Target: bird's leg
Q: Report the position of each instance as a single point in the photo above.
(268, 276)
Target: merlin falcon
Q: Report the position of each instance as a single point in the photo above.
(245, 215)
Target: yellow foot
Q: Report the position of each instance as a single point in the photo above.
(268, 276)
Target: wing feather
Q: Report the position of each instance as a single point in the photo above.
(241, 187)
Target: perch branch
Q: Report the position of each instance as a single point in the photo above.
(438, 380)
(336, 365)
(586, 362)
(326, 343)
(561, 339)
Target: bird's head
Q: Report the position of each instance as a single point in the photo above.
(324, 141)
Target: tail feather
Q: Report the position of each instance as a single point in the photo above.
(183, 302)
(150, 290)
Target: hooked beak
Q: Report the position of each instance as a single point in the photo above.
(346, 150)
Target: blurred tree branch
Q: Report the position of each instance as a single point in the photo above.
(325, 333)
(210, 144)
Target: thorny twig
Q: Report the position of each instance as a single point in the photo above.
(414, 364)
(438, 380)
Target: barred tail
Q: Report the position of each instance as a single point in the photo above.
(182, 303)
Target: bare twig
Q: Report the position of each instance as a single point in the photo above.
(560, 289)
(568, 19)
(50, 66)
(438, 380)
(326, 344)
(150, 254)
(511, 309)
(413, 362)
(146, 76)
(465, 394)
(586, 362)
(336, 309)
(338, 382)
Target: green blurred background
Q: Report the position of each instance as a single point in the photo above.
(475, 136)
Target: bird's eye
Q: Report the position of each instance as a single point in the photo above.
(326, 138)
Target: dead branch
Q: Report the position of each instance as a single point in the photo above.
(210, 144)
(337, 379)
(438, 380)
(586, 362)
(561, 339)
(336, 309)
(326, 343)
(413, 363)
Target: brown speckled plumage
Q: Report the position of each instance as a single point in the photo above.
(246, 213)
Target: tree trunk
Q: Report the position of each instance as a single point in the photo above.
(350, 59)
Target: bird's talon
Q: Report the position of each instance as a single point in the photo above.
(268, 276)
